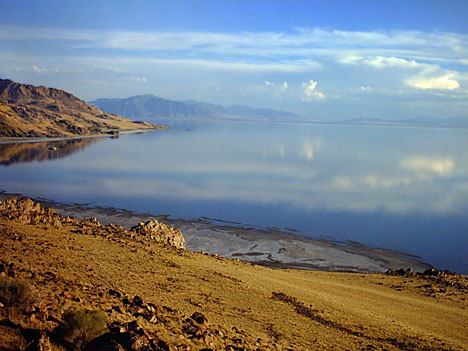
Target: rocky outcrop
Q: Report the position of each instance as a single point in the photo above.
(161, 232)
(37, 111)
(26, 211)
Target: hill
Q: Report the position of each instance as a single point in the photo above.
(153, 109)
(38, 111)
(156, 297)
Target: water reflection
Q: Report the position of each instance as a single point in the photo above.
(307, 167)
(312, 169)
(41, 151)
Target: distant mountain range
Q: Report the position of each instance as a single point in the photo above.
(153, 109)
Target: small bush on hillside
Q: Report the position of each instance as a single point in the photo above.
(79, 327)
(16, 294)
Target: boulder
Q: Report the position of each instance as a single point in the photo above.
(127, 336)
(160, 232)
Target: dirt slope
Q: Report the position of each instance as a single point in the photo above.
(31, 111)
(248, 307)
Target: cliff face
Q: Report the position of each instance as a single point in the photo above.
(31, 111)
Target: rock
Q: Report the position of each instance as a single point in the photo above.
(105, 342)
(127, 336)
(115, 293)
(161, 232)
(25, 210)
(137, 301)
(41, 344)
(193, 328)
(199, 318)
(431, 272)
(95, 221)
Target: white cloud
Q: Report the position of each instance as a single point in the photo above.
(278, 89)
(39, 69)
(399, 60)
(444, 82)
(300, 42)
(310, 92)
(383, 62)
(139, 79)
(429, 76)
(199, 63)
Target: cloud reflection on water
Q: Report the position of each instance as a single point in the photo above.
(302, 166)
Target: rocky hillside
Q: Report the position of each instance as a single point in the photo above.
(68, 284)
(32, 111)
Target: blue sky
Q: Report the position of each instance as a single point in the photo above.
(328, 60)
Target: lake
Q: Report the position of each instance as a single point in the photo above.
(391, 187)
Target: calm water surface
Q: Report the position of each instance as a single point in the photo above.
(397, 188)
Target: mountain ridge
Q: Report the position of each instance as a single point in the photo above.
(38, 111)
(152, 108)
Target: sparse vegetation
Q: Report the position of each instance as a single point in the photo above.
(79, 327)
(15, 294)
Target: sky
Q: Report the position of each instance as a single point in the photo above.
(325, 60)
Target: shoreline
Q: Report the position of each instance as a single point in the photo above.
(263, 246)
(20, 140)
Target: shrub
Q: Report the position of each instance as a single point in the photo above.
(15, 294)
(79, 327)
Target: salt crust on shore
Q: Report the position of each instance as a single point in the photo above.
(269, 247)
